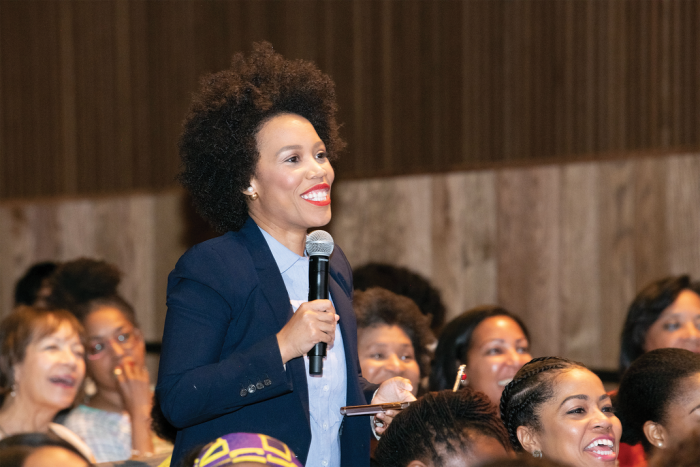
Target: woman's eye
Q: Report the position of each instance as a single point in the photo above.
(523, 350)
(377, 356)
(608, 409)
(495, 351)
(321, 155)
(672, 326)
(51, 347)
(407, 358)
(293, 159)
(577, 410)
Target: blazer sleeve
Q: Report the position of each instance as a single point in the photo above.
(195, 383)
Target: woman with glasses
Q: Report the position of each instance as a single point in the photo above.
(115, 421)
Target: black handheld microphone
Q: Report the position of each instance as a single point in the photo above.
(319, 246)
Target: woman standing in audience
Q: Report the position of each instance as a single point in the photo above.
(115, 421)
(558, 409)
(256, 150)
(393, 337)
(42, 366)
(493, 344)
(658, 400)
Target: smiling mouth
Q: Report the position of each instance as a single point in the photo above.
(602, 448)
(66, 381)
(320, 195)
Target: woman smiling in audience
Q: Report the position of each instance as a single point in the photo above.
(558, 409)
(490, 341)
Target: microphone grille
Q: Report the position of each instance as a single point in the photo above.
(319, 243)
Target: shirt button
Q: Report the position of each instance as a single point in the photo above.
(325, 462)
(325, 388)
(325, 426)
(251, 388)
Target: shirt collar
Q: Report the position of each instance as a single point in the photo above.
(284, 257)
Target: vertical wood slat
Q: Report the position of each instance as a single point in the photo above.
(93, 92)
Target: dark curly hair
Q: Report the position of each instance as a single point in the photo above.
(377, 306)
(84, 285)
(455, 341)
(530, 388)
(28, 286)
(404, 282)
(649, 386)
(438, 423)
(646, 308)
(218, 147)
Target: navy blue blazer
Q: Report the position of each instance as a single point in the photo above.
(220, 368)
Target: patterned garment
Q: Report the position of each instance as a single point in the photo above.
(108, 434)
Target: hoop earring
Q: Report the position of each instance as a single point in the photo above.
(537, 453)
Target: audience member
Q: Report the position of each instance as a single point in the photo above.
(116, 420)
(39, 450)
(246, 450)
(404, 282)
(444, 428)
(490, 341)
(665, 313)
(523, 460)
(33, 287)
(558, 409)
(393, 337)
(685, 454)
(42, 366)
(658, 400)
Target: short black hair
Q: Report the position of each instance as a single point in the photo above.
(377, 306)
(648, 387)
(84, 285)
(404, 282)
(15, 449)
(523, 460)
(218, 149)
(456, 339)
(645, 309)
(532, 386)
(439, 423)
(29, 285)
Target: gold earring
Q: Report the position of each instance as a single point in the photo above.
(254, 196)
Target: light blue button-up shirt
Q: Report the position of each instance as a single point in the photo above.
(327, 393)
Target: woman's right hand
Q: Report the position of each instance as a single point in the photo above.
(313, 322)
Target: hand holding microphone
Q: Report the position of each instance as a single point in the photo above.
(312, 326)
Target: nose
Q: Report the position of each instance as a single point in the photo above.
(68, 357)
(394, 364)
(116, 348)
(317, 167)
(601, 420)
(691, 331)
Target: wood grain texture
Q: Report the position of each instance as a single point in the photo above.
(565, 246)
(93, 92)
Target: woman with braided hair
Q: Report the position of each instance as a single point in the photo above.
(559, 409)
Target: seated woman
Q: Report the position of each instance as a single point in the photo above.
(490, 341)
(115, 421)
(658, 400)
(39, 450)
(42, 366)
(558, 409)
(444, 428)
(393, 337)
(665, 313)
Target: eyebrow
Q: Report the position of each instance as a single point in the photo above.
(583, 397)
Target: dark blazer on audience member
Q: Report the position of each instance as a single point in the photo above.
(226, 303)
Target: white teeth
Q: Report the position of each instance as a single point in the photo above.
(318, 195)
(504, 382)
(600, 442)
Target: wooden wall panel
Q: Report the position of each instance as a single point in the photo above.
(93, 92)
(566, 246)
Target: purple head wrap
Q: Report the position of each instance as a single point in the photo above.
(236, 448)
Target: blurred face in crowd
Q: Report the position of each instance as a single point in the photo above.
(682, 418)
(293, 177)
(678, 325)
(112, 341)
(387, 351)
(498, 350)
(52, 370)
(54, 455)
(578, 426)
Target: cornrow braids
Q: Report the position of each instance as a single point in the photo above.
(531, 386)
(437, 424)
(650, 385)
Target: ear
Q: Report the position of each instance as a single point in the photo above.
(656, 434)
(247, 191)
(416, 464)
(528, 439)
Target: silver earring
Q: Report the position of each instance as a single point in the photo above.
(13, 391)
(537, 453)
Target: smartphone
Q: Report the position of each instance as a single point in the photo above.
(372, 409)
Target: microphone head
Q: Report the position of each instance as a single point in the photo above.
(319, 243)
